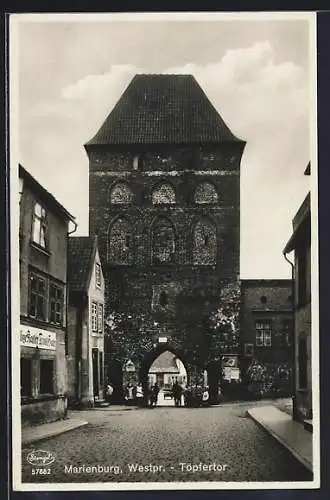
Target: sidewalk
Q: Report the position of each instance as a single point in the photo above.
(43, 431)
(75, 420)
(291, 434)
(113, 407)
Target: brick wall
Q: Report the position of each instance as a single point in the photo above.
(194, 290)
(267, 300)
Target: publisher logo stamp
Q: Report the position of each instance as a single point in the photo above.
(40, 457)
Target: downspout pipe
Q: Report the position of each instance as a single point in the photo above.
(294, 402)
(74, 229)
(68, 286)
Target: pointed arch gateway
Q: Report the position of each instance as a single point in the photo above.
(120, 242)
(205, 242)
(158, 350)
(162, 241)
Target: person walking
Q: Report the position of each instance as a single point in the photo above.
(177, 393)
(154, 395)
(109, 392)
(139, 395)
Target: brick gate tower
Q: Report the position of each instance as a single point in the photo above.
(164, 199)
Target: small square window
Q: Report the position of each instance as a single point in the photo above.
(94, 316)
(56, 304)
(263, 333)
(98, 275)
(37, 297)
(100, 318)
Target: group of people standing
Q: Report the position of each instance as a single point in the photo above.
(148, 396)
(136, 394)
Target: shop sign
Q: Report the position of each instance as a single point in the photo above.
(162, 340)
(226, 373)
(35, 337)
(235, 375)
(231, 361)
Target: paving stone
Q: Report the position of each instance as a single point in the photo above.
(168, 437)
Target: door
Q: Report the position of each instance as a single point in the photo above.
(95, 356)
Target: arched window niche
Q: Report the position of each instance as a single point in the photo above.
(162, 241)
(163, 194)
(121, 194)
(206, 194)
(204, 243)
(120, 242)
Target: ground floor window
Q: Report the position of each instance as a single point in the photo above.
(46, 376)
(26, 377)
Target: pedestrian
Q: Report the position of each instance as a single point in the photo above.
(205, 397)
(129, 393)
(154, 395)
(139, 394)
(109, 392)
(177, 393)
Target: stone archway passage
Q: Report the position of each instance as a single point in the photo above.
(166, 369)
(153, 354)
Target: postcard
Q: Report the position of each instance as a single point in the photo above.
(164, 251)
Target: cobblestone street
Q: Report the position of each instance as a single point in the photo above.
(171, 444)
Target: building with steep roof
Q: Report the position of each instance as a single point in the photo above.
(44, 226)
(85, 357)
(164, 200)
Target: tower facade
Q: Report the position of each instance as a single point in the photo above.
(164, 199)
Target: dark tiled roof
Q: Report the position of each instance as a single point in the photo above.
(163, 109)
(80, 253)
(165, 363)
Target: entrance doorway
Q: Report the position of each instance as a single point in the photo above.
(166, 370)
(95, 358)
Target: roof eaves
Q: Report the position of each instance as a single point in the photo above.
(91, 262)
(23, 173)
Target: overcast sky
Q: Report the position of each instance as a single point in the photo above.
(256, 73)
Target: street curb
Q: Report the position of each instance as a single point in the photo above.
(50, 434)
(278, 438)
